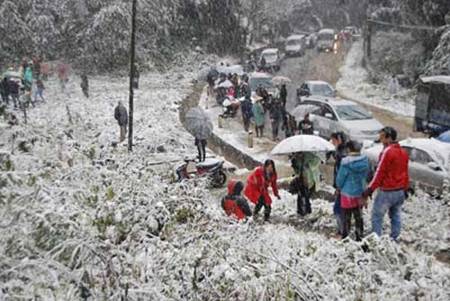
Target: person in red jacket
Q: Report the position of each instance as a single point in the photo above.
(233, 203)
(257, 188)
(392, 180)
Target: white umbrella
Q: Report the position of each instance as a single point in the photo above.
(279, 80)
(226, 84)
(300, 111)
(302, 143)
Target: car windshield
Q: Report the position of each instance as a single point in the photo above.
(321, 89)
(265, 82)
(270, 57)
(352, 112)
(294, 42)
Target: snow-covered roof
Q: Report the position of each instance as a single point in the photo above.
(444, 79)
(270, 51)
(296, 37)
(326, 31)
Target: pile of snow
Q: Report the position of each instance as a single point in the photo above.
(354, 84)
(80, 217)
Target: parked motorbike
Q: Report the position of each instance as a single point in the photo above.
(211, 168)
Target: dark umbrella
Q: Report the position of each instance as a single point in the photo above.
(198, 123)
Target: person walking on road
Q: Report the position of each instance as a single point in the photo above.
(257, 188)
(306, 126)
(351, 181)
(338, 140)
(306, 167)
(283, 95)
(258, 117)
(391, 178)
(233, 203)
(247, 113)
(121, 115)
(276, 118)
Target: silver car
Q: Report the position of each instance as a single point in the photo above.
(428, 161)
(333, 115)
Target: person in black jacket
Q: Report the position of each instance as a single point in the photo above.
(276, 117)
(306, 126)
(121, 115)
(283, 95)
(338, 140)
(13, 88)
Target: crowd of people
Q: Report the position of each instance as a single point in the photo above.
(23, 84)
(353, 181)
(233, 92)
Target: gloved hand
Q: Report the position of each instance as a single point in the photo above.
(278, 197)
(367, 193)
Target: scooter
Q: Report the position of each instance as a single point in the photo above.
(211, 168)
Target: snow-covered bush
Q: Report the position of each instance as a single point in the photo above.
(395, 53)
(440, 61)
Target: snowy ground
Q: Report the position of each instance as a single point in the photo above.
(354, 84)
(115, 226)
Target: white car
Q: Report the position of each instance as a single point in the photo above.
(428, 161)
(326, 40)
(261, 79)
(331, 115)
(295, 45)
(316, 87)
(272, 57)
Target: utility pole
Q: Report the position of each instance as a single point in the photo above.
(132, 74)
(369, 38)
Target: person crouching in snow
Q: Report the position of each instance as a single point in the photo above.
(351, 181)
(233, 203)
(257, 188)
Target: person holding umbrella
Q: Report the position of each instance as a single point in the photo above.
(257, 188)
(201, 148)
(302, 150)
(199, 124)
(306, 167)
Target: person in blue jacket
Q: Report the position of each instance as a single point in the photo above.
(351, 181)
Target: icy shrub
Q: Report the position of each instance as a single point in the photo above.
(5, 162)
(440, 61)
(395, 53)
